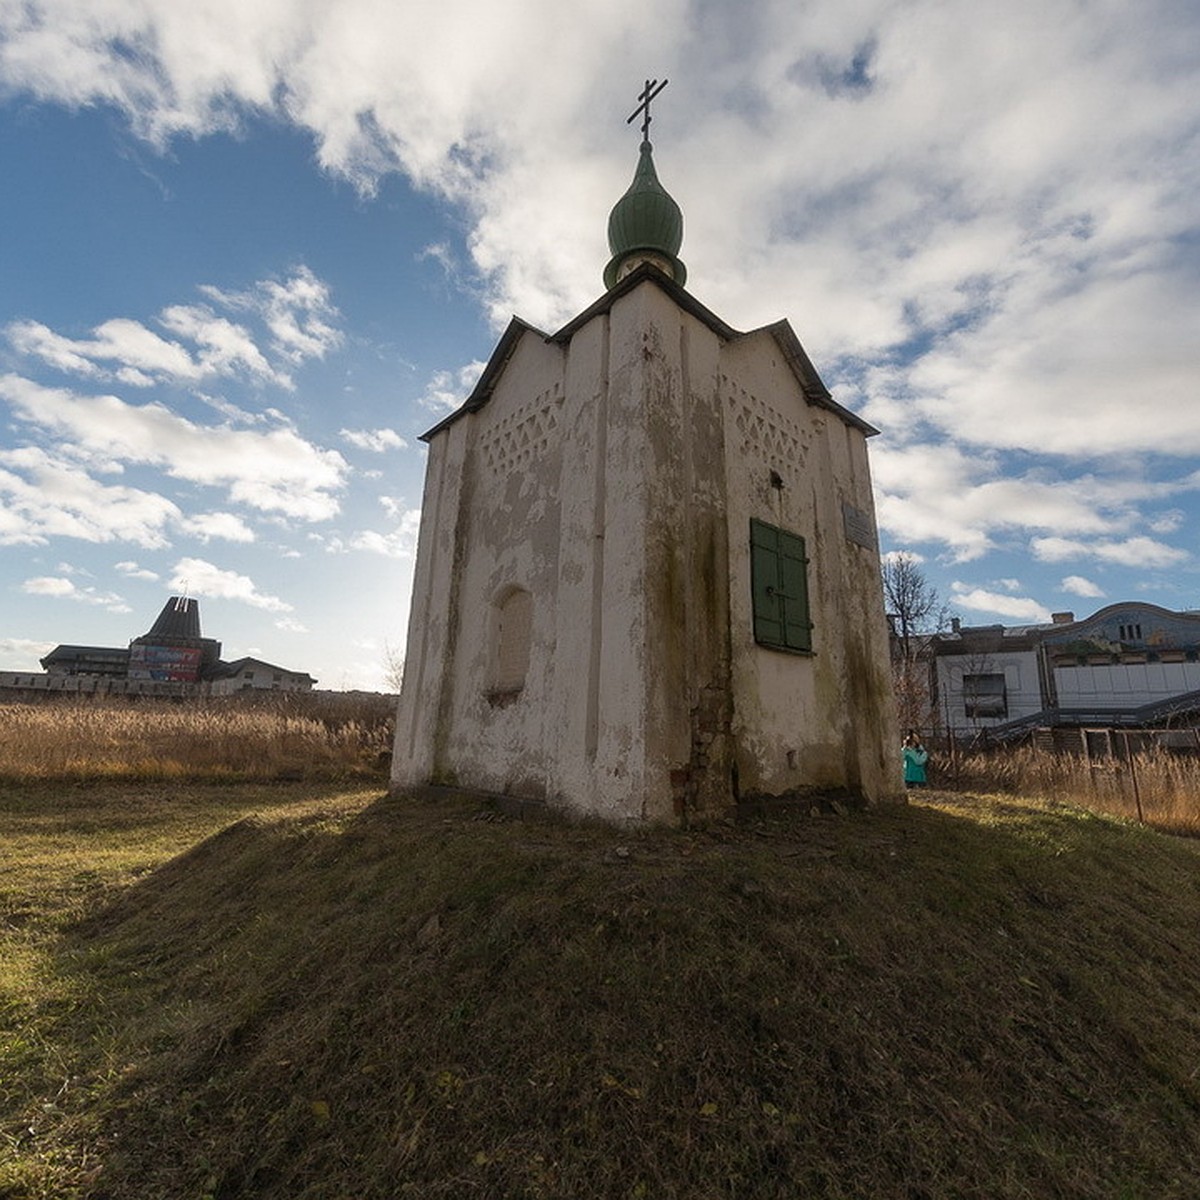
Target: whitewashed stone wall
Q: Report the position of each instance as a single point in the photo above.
(612, 475)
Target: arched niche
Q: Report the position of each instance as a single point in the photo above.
(512, 632)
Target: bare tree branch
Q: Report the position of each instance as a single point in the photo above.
(911, 600)
(393, 667)
(914, 608)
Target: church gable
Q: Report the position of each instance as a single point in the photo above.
(518, 433)
(766, 417)
(776, 346)
(517, 342)
(777, 340)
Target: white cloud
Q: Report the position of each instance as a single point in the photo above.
(892, 556)
(1016, 608)
(941, 493)
(973, 500)
(377, 440)
(236, 415)
(393, 545)
(1167, 522)
(133, 348)
(197, 577)
(59, 588)
(22, 654)
(126, 350)
(133, 571)
(46, 497)
(448, 389)
(225, 348)
(1077, 585)
(47, 585)
(290, 625)
(980, 219)
(1141, 552)
(297, 314)
(227, 526)
(1045, 371)
(442, 254)
(399, 542)
(274, 471)
(1031, 153)
(397, 509)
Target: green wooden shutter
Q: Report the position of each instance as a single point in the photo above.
(779, 588)
(797, 628)
(765, 584)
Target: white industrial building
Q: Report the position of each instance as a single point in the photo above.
(1130, 663)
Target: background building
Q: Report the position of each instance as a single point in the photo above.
(172, 659)
(174, 650)
(1131, 664)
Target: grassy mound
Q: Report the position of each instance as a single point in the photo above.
(958, 999)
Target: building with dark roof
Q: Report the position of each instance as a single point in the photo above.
(246, 673)
(174, 649)
(172, 658)
(1129, 664)
(110, 662)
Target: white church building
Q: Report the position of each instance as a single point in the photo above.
(647, 583)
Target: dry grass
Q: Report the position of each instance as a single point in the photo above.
(66, 851)
(253, 737)
(1166, 785)
(964, 999)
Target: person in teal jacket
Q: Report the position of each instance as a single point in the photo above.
(915, 758)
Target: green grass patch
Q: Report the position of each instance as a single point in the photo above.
(232, 992)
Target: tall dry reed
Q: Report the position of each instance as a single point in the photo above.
(1164, 785)
(281, 736)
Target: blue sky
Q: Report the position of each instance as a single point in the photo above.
(249, 252)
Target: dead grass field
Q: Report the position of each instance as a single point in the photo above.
(307, 992)
(1159, 787)
(242, 737)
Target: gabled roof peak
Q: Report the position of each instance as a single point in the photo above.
(793, 354)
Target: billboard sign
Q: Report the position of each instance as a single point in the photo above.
(169, 664)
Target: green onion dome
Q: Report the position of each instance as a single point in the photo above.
(645, 225)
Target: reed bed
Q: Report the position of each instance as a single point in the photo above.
(1156, 786)
(294, 736)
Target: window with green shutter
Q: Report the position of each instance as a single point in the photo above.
(779, 588)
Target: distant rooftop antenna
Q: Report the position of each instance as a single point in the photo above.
(652, 88)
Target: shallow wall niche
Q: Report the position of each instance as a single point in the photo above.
(512, 628)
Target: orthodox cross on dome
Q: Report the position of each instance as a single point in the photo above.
(645, 225)
(652, 88)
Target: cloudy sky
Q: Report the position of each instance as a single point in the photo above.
(248, 252)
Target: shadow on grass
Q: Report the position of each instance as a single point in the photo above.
(952, 999)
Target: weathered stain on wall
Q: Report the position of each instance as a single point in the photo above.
(612, 474)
